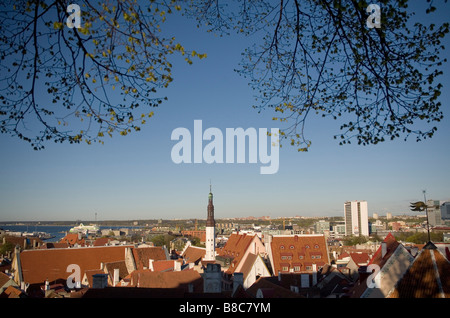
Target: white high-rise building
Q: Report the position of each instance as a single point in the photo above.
(356, 216)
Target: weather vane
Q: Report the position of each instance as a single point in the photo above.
(420, 206)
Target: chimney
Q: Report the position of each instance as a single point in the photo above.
(238, 279)
(176, 266)
(101, 265)
(314, 275)
(99, 280)
(150, 265)
(24, 243)
(383, 249)
(47, 291)
(116, 277)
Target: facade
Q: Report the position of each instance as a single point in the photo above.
(322, 226)
(434, 213)
(445, 211)
(356, 216)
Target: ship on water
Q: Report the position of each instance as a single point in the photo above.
(85, 229)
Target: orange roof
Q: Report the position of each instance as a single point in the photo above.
(360, 258)
(160, 266)
(427, 277)
(193, 254)
(123, 271)
(72, 239)
(149, 279)
(144, 254)
(102, 241)
(298, 251)
(4, 279)
(54, 245)
(39, 265)
(236, 246)
(391, 245)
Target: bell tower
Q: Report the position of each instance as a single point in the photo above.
(210, 230)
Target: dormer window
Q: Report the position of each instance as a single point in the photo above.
(316, 246)
(282, 247)
(291, 247)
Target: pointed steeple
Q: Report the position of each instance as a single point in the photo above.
(210, 220)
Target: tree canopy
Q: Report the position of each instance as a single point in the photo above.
(320, 57)
(312, 57)
(105, 73)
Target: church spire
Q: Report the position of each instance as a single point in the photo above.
(210, 243)
(210, 220)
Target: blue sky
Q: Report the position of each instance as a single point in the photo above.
(133, 176)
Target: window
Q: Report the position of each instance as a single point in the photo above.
(282, 247)
(306, 246)
(309, 268)
(316, 246)
(291, 247)
(285, 268)
(296, 268)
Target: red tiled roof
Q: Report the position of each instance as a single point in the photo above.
(236, 247)
(40, 265)
(102, 241)
(123, 271)
(360, 258)
(427, 277)
(160, 266)
(144, 254)
(391, 246)
(72, 239)
(193, 254)
(306, 250)
(4, 279)
(54, 245)
(182, 279)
